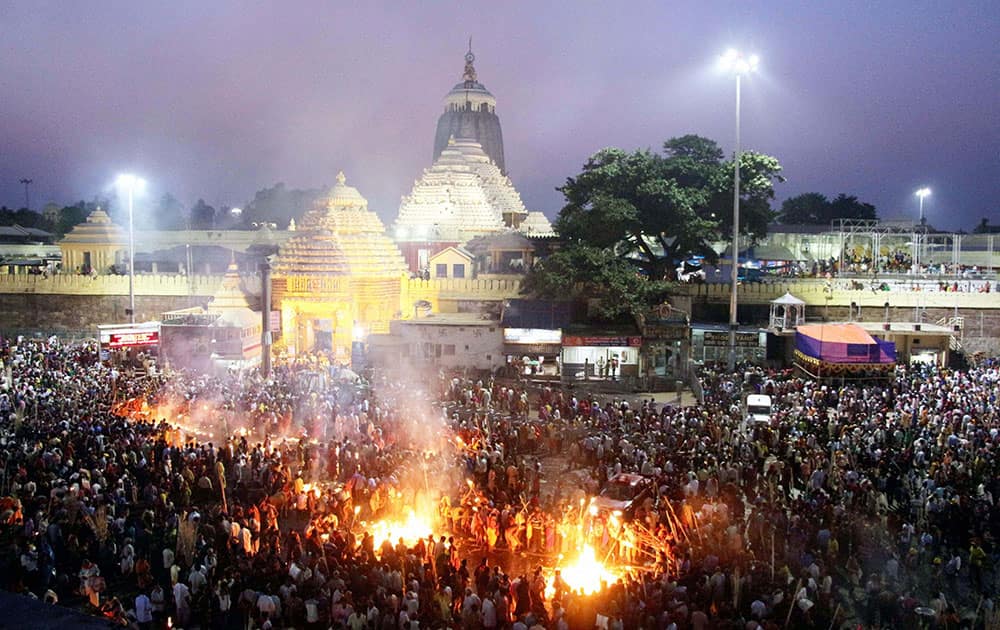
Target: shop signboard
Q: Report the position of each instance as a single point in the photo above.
(603, 342)
(129, 339)
(721, 339)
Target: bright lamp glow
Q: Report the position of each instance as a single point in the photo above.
(736, 62)
(923, 192)
(128, 181)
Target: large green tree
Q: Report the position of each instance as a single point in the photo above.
(202, 216)
(170, 213)
(280, 204)
(631, 217)
(815, 208)
(23, 217)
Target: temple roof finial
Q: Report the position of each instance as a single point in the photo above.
(469, 75)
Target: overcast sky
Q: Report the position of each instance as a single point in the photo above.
(219, 99)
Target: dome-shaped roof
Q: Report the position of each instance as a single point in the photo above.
(469, 91)
(340, 236)
(342, 195)
(98, 230)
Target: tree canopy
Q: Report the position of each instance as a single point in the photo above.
(280, 204)
(631, 217)
(170, 213)
(815, 208)
(24, 218)
(202, 216)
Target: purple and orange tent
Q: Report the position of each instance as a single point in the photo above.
(838, 349)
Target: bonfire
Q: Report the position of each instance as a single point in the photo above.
(411, 530)
(585, 574)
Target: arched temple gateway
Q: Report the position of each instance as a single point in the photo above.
(339, 277)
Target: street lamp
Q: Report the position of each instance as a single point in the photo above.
(735, 62)
(131, 185)
(921, 193)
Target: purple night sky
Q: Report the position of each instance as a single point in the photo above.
(219, 99)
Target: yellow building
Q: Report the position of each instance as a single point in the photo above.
(452, 262)
(339, 278)
(95, 245)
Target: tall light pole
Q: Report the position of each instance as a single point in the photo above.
(27, 200)
(921, 193)
(738, 64)
(131, 185)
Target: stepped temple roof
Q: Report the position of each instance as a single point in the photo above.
(537, 224)
(99, 230)
(463, 194)
(340, 236)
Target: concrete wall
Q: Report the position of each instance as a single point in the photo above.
(479, 347)
(26, 313)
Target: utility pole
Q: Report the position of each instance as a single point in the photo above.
(265, 335)
(27, 200)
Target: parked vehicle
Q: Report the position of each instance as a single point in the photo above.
(622, 494)
(758, 407)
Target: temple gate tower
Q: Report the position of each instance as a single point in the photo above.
(470, 112)
(338, 278)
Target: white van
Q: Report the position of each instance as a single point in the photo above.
(758, 407)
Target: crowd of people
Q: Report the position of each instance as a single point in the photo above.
(189, 501)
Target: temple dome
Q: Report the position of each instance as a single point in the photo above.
(340, 236)
(470, 112)
(97, 229)
(342, 195)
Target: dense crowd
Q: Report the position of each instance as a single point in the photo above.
(239, 501)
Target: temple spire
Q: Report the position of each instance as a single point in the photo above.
(469, 75)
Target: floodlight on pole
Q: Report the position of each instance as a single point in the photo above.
(131, 185)
(921, 193)
(738, 64)
(27, 181)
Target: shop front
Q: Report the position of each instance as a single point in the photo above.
(131, 345)
(600, 357)
(710, 344)
(533, 351)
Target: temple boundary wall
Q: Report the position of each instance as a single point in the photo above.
(145, 284)
(816, 293)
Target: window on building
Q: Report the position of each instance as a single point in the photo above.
(458, 270)
(449, 350)
(440, 270)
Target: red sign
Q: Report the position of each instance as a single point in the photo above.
(602, 342)
(130, 339)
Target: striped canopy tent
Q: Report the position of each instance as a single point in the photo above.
(841, 350)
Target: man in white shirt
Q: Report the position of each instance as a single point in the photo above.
(489, 613)
(143, 611)
(197, 579)
(182, 597)
(265, 604)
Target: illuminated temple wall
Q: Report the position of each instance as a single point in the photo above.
(328, 313)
